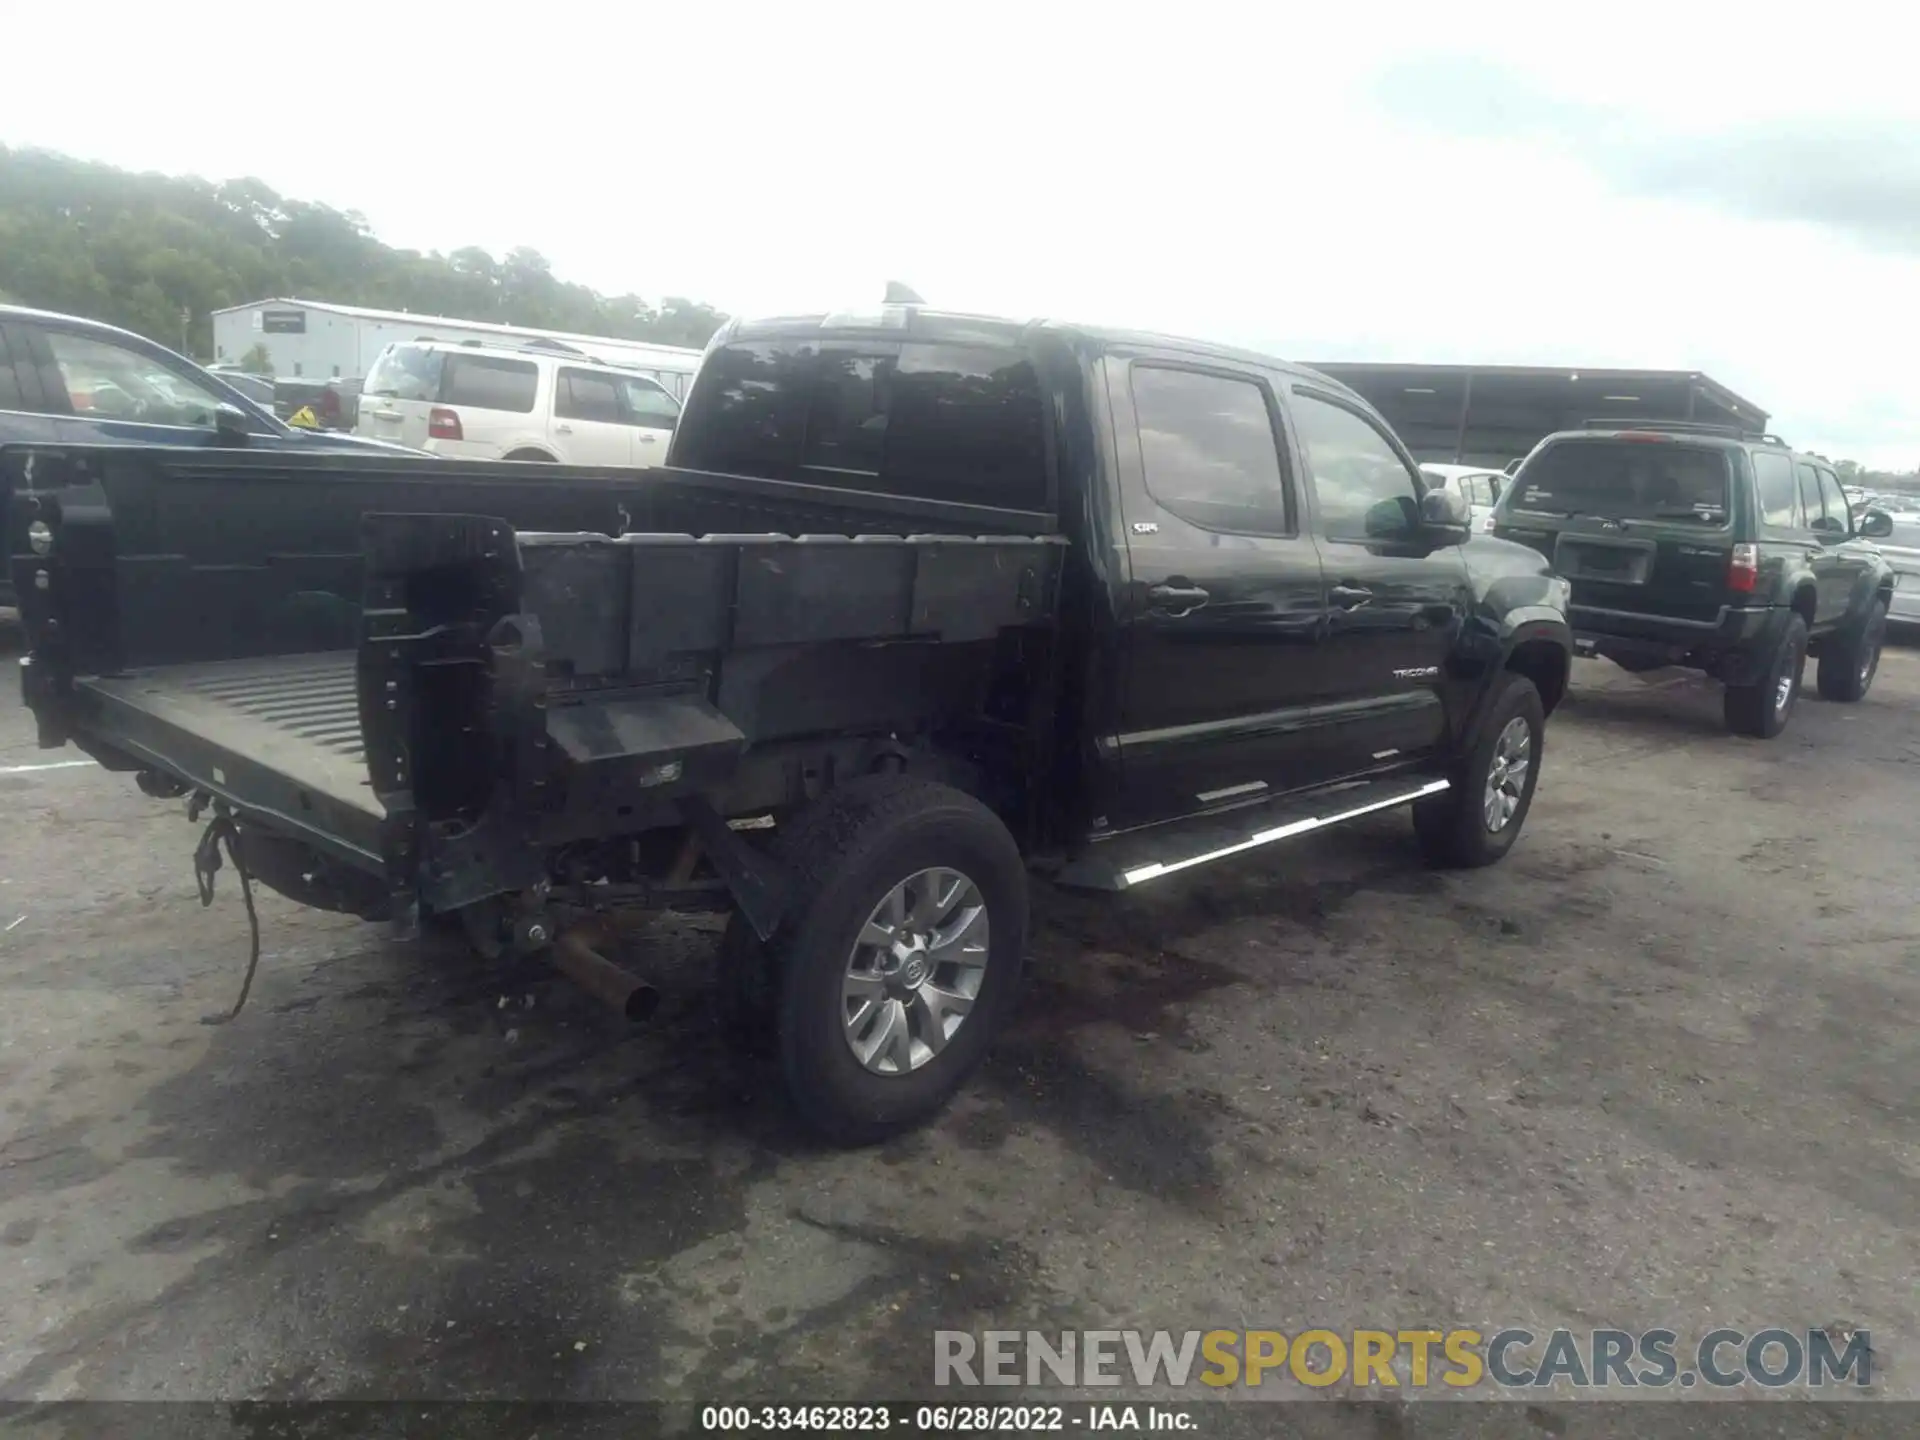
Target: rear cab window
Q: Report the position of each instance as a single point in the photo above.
(1622, 479)
(929, 420)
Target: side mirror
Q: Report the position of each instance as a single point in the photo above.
(1394, 519)
(1876, 525)
(1446, 516)
(230, 425)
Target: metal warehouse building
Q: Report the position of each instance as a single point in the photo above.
(319, 340)
(1490, 414)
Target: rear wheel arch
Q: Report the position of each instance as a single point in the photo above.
(848, 849)
(527, 452)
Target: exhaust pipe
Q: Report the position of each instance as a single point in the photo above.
(621, 989)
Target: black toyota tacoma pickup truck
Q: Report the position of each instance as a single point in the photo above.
(922, 606)
(1709, 547)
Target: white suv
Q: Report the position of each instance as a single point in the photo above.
(1480, 485)
(541, 401)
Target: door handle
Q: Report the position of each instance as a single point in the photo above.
(563, 429)
(1175, 599)
(1349, 597)
(649, 439)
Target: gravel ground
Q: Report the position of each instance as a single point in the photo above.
(1658, 1068)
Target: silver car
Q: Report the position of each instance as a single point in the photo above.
(1902, 549)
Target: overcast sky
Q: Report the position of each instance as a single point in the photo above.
(1445, 183)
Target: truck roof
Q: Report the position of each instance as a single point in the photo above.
(921, 322)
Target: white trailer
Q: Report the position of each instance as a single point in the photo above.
(315, 339)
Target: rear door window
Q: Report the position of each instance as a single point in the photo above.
(587, 395)
(1776, 491)
(1627, 480)
(1209, 449)
(488, 382)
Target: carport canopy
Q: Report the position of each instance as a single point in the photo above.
(1490, 414)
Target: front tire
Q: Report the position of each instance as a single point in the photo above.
(900, 964)
(1848, 664)
(1476, 821)
(1762, 709)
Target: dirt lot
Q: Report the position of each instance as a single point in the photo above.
(1656, 1069)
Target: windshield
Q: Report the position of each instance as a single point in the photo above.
(1627, 480)
(405, 372)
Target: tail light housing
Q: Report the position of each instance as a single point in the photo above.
(1743, 569)
(445, 425)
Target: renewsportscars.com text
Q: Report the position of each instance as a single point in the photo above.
(1509, 1359)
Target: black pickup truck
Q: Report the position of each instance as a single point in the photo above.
(922, 606)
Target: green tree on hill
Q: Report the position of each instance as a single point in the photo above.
(139, 250)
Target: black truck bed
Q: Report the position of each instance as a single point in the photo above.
(283, 731)
(632, 671)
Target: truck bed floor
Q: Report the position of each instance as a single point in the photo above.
(279, 736)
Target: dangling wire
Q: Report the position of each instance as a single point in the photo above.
(221, 830)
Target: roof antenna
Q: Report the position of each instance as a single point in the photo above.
(898, 294)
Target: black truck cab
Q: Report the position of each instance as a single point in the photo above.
(922, 604)
(1263, 596)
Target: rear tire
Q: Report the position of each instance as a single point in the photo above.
(1848, 663)
(538, 456)
(1763, 709)
(923, 1010)
(1476, 821)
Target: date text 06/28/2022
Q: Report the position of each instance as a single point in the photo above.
(943, 1419)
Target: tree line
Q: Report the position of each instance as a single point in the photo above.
(158, 254)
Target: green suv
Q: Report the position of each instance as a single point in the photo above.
(1714, 548)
